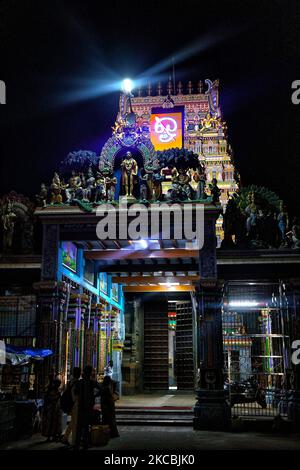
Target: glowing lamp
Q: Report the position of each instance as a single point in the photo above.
(127, 85)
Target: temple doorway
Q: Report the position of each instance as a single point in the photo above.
(165, 350)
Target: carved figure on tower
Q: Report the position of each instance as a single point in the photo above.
(294, 234)
(157, 179)
(252, 213)
(215, 191)
(200, 178)
(184, 181)
(90, 184)
(181, 188)
(56, 187)
(100, 187)
(73, 187)
(8, 222)
(283, 222)
(41, 198)
(110, 187)
(144, 177)
(129, 172)
(210, 122)
(151, 167)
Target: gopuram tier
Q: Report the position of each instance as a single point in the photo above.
(205, 133)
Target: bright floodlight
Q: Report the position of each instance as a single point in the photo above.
(243, 303)
(127, 85)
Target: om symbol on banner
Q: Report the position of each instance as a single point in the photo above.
(166, 127)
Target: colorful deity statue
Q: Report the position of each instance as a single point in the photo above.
(119, 126)
(144, 177)
(56, 187)
(150, 167)
(175, 192)
(81, 191)
(74, 186)
(110, 187)
(200, 178)
(100, 187)
(283, 222)
(210, 122)
(184, 179)
(129, 172)
(251, 212)
(294, 235)
(88, 184)
(157, 179)
(181, 188)
(215, 191)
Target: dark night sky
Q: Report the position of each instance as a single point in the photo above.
(51, 50)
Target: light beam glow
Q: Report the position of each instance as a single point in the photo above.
(127, 85)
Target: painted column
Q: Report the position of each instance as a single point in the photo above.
(77, 358)
(49, 300)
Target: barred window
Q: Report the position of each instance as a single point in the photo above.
(17, 316)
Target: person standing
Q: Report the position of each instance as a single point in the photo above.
(108, 396)
(86, 391)
(72, 426)
(52, 414)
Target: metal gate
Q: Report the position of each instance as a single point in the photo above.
(257, 328)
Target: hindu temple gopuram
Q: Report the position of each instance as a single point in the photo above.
(88, 278)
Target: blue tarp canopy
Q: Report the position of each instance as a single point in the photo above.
(32, 352)
(18, 355)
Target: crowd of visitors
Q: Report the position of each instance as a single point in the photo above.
(78, 401)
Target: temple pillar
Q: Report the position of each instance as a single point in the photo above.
(50, 310)
(211, 410)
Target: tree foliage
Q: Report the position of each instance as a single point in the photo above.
(79, 160)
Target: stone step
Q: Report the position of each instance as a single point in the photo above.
(154, 416)
(156, 420)
(153, 411)
(155, 423)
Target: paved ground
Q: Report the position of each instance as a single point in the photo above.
(160, 438)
